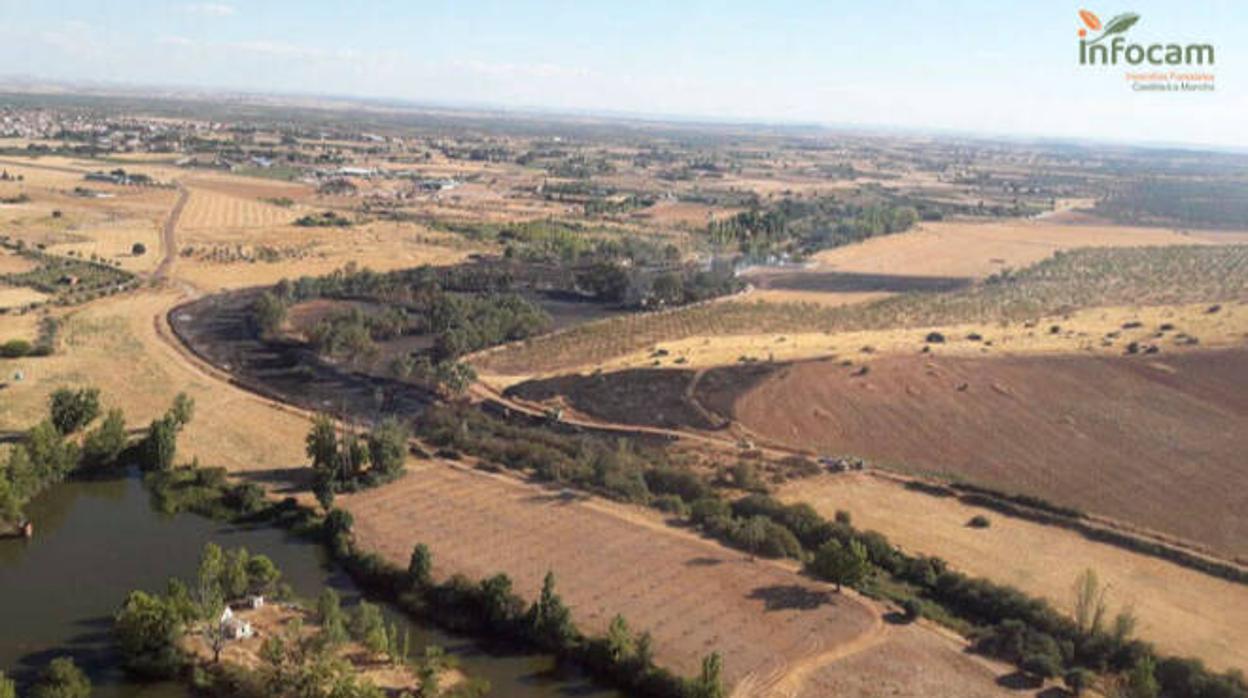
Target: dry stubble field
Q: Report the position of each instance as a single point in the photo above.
(1184, 612)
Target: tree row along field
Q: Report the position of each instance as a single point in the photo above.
(1185, 612)
(1066, 281)
(691, 594)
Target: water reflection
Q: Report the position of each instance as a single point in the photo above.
(95, 540)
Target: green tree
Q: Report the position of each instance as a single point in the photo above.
(644, 656)
(62, 679)
(104, 444)
(209, 595)
(331, 618)
(387, 446)
(51, 456)
(668, 289)
(369, 628)
(234, 578)
(710, 683)
(1078, 680)
(550, 619)
(183, 410)
(620, 643)
(70, 410)
(323, 490)
(752, 534)
(159, 447)
(269, 312)
(1142, 679)
(420, 566)
(322, 443)
(8, 689)
(262, 574)
(147, 629)
(839, 564)
(1090, 604)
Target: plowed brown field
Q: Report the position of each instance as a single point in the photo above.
(774, 628)
(1158, 442)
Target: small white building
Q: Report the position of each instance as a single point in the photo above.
(235, 628)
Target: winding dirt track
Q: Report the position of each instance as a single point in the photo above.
(169, 235)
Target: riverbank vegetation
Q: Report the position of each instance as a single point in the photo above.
(61, 445)
(235, 631)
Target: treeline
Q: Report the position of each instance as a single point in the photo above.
(1007, 623)
(49, 452)
(640, 288)
(797, 227)
(551, 241)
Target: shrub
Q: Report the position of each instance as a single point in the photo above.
(1078, 680)
(911, 609)
(62, 679)
(671, 504)
(16, 348)
(71, 410)
(979, 521)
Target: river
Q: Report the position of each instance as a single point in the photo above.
(95, 540)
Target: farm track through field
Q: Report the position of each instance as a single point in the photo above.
(169, 235)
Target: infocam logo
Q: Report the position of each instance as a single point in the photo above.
(1098, 51)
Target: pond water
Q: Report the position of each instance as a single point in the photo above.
(96, 540)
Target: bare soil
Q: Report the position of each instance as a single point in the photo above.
(1155, 441)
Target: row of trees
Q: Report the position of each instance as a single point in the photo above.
(344, 460)
(796, 226)
(614, 283)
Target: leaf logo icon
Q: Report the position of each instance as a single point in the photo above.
(1090, 19)
(1117, 25)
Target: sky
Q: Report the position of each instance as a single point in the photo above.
(990, 68)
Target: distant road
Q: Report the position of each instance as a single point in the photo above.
(169, 235)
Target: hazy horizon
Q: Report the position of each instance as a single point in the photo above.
(948, 68)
